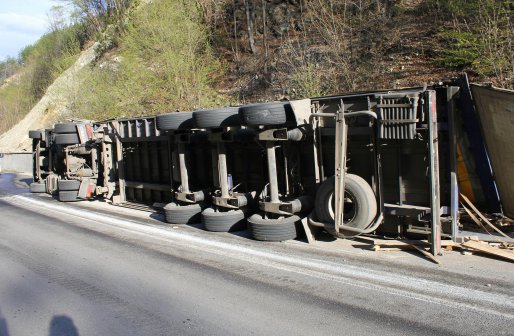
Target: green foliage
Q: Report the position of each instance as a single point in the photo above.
(462, 49)
(308, 81)
(50, 56)
(481, 37)
(38, 66)
(14, 103)
(166, 63)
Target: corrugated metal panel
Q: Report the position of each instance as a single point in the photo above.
(397, 117)
(495, 108)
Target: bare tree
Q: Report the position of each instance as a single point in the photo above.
(249, 25)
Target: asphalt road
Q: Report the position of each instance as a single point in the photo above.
(70, 270)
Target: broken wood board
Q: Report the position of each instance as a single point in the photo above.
(391, 242)
(485, 248)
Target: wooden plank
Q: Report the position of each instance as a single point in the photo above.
(388, 242)
(308, 233)
(506, 254)
(426, 254)
(482, 216)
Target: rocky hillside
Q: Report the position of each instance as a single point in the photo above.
(158, 56)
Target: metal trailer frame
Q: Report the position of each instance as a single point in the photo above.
(135, 162)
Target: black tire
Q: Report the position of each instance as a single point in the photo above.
(275, 230)
(175, 121)
(67, 139)
(69, 196)
(265, 114)
(183, 214)
(362, 210)
(224, 117)
(68, 185)
(38, 187)
(65, 128)
(223, 221)
(35, 134)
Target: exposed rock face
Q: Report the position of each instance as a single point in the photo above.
(55, 105)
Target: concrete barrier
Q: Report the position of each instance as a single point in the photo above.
(16, 162)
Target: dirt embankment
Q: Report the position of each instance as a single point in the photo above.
(55, 105)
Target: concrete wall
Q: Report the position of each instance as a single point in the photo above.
(16, 162)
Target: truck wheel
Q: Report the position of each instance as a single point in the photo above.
(223, 221)
(182, 214)
(35, 134)
(224, 117)
(265, 114)
(69, 196)
(67, 139)
(68, 185)
(175, 121)
(38, 187)
(65, 128)
(360, 206)
(280, 229)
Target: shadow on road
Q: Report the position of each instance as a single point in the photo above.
(62, 325)
(3, 326)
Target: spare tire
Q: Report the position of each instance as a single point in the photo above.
(175, 121)
(224, 117)
(65, 128)
(266, 229)
(360, 203)
(68, 185)
(38, 187)
(266, 114)
(223, 221)
(36, 134)
(67, 139)
(182, 214)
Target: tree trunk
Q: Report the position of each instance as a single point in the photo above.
(249, 25)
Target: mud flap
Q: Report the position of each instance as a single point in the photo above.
(85, 189)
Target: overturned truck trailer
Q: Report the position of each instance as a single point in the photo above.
(349, 164)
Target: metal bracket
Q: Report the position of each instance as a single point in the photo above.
(278, 134)
(190, 197)
(235, 201)
(280, 208)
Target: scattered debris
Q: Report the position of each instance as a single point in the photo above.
(486, 248)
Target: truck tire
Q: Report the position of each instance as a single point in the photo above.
(224, 117)
(359, 213)
(265, 114)
(35, 134)
(275, 230)
(69, 196)
(67, 139)
(175, 121)
(182, 214)
(223, 221)
(65, 128)
(68, 185)
(38, 187)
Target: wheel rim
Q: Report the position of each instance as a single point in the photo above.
(350, 207)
